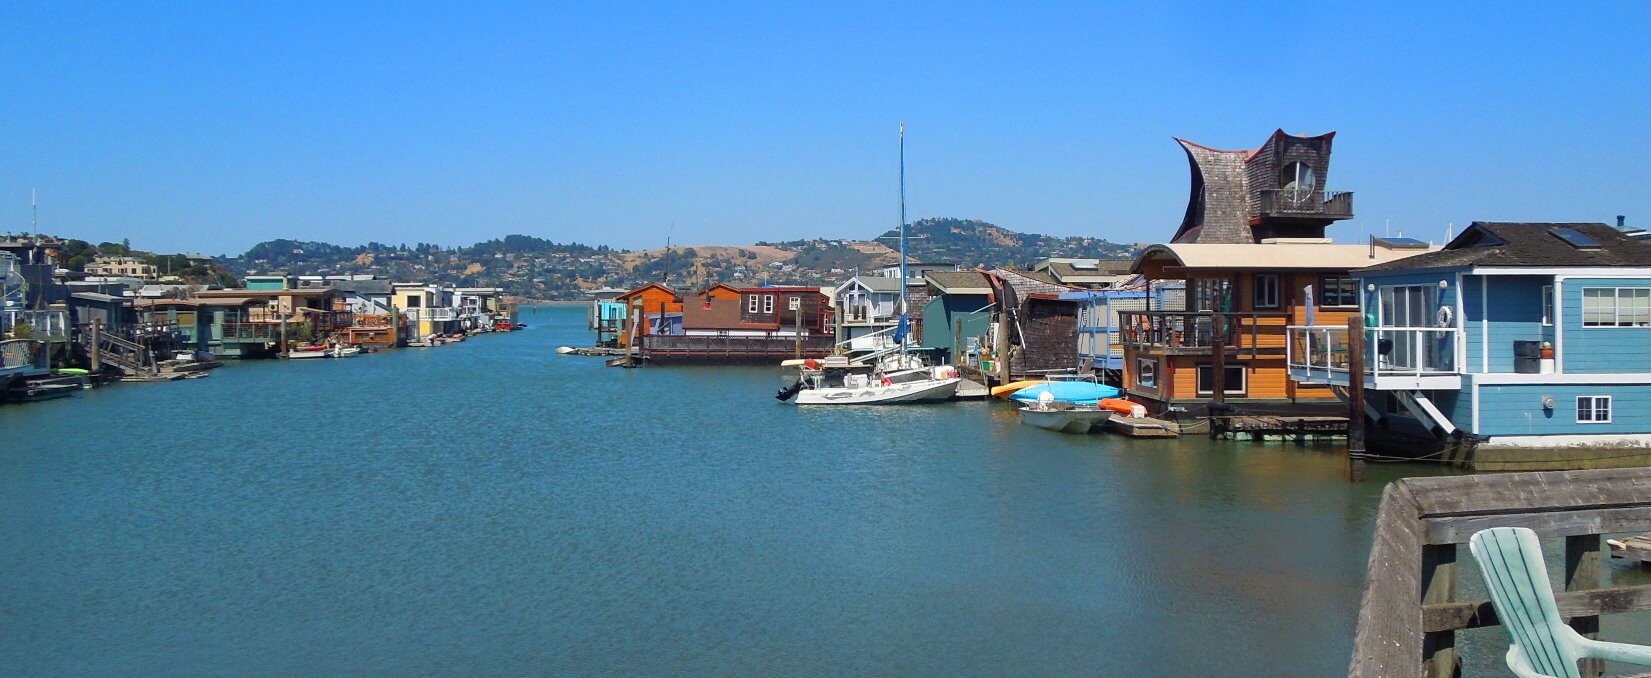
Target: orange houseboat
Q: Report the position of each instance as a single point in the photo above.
(1253, 254)
(645, 309)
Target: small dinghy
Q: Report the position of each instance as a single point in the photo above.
(1061, 416)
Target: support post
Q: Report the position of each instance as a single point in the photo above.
(957, 340)
(1439, 658)
(1218, 372)
(96, 350)
(1000, 345)
(797, 333)
(1583, 558)
(1355, 398)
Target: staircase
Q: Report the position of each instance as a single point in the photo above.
(129, 357)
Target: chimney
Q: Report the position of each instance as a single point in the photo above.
(1620, 220)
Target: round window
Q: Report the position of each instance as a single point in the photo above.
(1297, 180)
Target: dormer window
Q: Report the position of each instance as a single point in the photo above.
(1298, 181)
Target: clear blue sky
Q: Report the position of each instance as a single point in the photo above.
(211, 127)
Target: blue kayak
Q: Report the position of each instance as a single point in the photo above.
(1075, 392)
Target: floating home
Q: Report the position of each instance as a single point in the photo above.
(957, 318)
(1252, 254)
(1517, 346)
(728, 325)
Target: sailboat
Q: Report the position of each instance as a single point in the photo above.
(885, 377)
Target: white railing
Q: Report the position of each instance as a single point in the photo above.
(1319, 352)
(432, 314)
(40, 325)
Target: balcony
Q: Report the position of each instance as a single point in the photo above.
(1192, 333)
(47, 326)
(1314, 204)
(1396, 358)
(437, 315)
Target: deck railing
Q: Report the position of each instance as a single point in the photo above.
(1311, 203)
(45, 325)
(1320, 351)
(432, 314)
(1194, 331)
(1409, 614)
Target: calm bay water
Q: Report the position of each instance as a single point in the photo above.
(491, 507)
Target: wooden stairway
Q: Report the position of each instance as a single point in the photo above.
(129, 357)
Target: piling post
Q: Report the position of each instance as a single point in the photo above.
(1218, 368)
(1583, 557)
(1355, 398)
(797, 333)
(1439, 659)
(96, 351)
(1000, 345)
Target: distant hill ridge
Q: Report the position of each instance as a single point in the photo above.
(533, 267)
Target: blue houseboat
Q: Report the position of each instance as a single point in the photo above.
(1517, 346)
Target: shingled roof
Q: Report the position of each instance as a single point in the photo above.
(1529, 245)
(959, 282)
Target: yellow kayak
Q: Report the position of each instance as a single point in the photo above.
(1009, 389)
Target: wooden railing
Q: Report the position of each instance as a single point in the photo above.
(732, 349)
(1312, 203)
(1409, 613)
(1194, 332)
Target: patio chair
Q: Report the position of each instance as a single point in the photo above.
(1510, 558)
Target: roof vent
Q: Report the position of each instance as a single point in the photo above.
(1086, 265)
(1576, 238)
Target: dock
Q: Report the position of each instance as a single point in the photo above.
(1260, 427)
(1143, 427)
(1632, 548)
(969, 389)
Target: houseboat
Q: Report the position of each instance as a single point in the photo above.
(1518, 346)
(1252, 254)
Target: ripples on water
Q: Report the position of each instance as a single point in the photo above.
(491, 507)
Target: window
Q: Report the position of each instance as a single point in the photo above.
(1547, 304)
(1616, 307)
(1297, 181)
(1338, 290)
(1146, 373)
(767, 304)
(794, 303)
(1266, 290)
(752, 303)
(1233, 382)
(1593, 410)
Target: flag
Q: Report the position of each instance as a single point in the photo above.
(900, 330)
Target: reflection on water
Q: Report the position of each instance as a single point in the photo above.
(493, 507)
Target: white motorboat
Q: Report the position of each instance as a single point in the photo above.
(304, 353)
(346, 351)
(1062, 416)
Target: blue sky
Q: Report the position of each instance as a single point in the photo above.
(211, 127)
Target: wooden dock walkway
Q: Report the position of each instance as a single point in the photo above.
(1143, 427)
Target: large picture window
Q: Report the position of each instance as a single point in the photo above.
(1233, 383)
(1616, 307)
(1593, 410)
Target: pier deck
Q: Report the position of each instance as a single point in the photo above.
(1143, 427)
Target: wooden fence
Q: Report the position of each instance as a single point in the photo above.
(718, 350)
(1409, 614)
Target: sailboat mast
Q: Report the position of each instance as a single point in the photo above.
(904, 298)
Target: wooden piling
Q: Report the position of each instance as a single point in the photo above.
(96, 350)
(1355, 398)
(1439, 658)
(1583, 558)
(1218, 369)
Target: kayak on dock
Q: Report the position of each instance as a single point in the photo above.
(1075, 392)
(1009, 389)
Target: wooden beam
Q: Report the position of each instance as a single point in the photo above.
(1583, 554)
(1388, 641)
(1439, 659)
(1457, 530)
(1530, 492)
(1479, 614)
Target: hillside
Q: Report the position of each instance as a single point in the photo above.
(533, 267)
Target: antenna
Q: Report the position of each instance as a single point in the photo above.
(1387, 229)
(668, 253)
(1450, 231)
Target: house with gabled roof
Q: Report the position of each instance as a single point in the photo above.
(1511, 347)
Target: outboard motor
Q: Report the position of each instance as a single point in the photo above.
(789, 392)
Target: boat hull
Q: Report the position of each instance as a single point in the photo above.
(1076, 420)
(925, 391)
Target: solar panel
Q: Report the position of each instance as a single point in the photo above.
(1576, 238)
(1401, 243)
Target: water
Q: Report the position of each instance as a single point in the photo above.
(491, 507)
